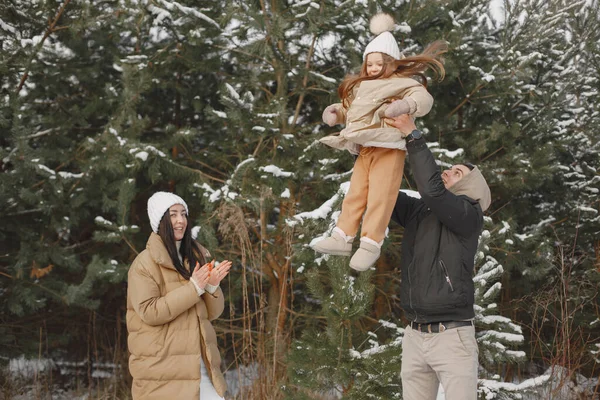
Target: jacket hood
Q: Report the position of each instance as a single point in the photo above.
(474, 185)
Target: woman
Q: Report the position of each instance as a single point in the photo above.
(170, 303)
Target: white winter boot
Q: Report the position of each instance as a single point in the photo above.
(366, 255)
(338, 244)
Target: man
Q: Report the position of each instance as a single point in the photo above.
(441, 230)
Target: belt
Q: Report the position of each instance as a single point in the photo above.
(437, 327)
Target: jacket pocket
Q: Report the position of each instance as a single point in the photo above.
(148, 341)
(441, 288)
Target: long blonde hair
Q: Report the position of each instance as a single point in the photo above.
(411, 66)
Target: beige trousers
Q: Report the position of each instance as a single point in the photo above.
(374, 186)
(449, 358)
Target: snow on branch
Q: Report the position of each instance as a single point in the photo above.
(325, 78)
(216, 195)
(490, 388)
(70, 175)
(171, 5)
(491, 269)
(46, 169)
(235, 98)
(499, 319)
(161, 14)
(243, 164)
(487, 77)
(448, 153)
(337, 177)
(276, 171)
(7, 27)
(102, 221)
(323, 211)
(505, 228)
(376, 349)
(492, 291)
(225, 191)
(494, 336)
(144, 153)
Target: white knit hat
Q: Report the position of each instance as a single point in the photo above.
(159, 203)
(382, 25)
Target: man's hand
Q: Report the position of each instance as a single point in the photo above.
(404, 123)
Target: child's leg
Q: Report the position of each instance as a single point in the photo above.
(385, 177)
(353, 207)
(355, 202)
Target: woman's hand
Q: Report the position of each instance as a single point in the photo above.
(201, 275)
(218, 273)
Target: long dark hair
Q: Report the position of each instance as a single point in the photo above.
(407, 67)
(189, 249)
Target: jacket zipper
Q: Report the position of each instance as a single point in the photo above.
(447, 275)
(410, 293)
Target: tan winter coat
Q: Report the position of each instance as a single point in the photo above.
(365, 123)
(169, 329)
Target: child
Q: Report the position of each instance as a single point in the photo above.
(383, 89)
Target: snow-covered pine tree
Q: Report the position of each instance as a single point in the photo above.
(222, 101)
(314, 370)
(105, 108)
(500, 339)
(544, 176)
(337, 356)
(282, 71)
(477, 116)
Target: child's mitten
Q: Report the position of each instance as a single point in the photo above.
(330, 115)
(397, 108)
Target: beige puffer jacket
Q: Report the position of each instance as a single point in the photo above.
(365, 123)
(169, 329)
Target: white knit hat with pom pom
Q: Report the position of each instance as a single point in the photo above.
(159, 203)
(382, 25)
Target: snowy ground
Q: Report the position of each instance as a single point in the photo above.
(25, 373)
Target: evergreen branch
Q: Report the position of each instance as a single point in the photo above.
(494, 152)
(311, 88)
(188, 154)
(501, 250)
(196, 171)
(307, 316)
(80, 244)
(306, 71)
(465, 100)
(25, 212)
(258, 146)
(504, 205)
(131, 246)
(237, 50)
(38, 134)
(40, 183)
(51, 29)
(63, 300)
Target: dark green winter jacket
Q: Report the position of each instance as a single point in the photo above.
(441, 231)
